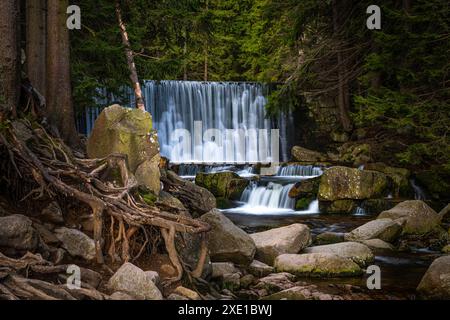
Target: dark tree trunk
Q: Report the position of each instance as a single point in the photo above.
(343, 89)
(9, 58)
(130, 59)
(59, 92)
(36, 44)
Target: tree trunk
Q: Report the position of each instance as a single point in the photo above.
(59, 91)
(130, 59)
(36, 44)
(9, 58)
(343, 90)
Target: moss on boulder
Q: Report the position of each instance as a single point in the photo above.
(340, 182)
(228, 185)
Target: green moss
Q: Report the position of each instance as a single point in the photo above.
(303, 203)
(148, 196)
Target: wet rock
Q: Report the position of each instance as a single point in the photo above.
(317, 265)
(415, 216)
(76, 243)
(226, 241)
(273, 242)
(435, 284)
(219, 269)
(259, 269)
(304, 188)
(127, 131)
(135, 282)
(305, 155)
(355, 251)
(385, 229)
(329, 238)
(294, 293)
(17, 233)
(340, 183)
(344, 206)
(52, 213)
(228, 185)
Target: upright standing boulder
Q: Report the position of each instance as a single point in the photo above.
(273, 242)
(415, 215)
(226, 241)
(128, 131)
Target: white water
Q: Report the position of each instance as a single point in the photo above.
(189, 171)
(419, 194)
(299, 170)
(218, 105)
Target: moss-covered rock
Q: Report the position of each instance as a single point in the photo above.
(355, 153)
(338, 183)
(329, 238)
(303, 203)
(305, 155)
(398, 176)
(228, 185)
(304, 188)
(415, 216)
(317, 265)
(385, 229)
(358, 252)
(128, 131)
(338, 206)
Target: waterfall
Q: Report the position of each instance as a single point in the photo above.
(190, 170)
(273, 196)
(216, 122)
(419, 194)
(299, 170)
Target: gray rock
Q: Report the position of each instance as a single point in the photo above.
(231, 281)
(219, 269)
(289, 239)
(76, 243)
(17, 232)
(259, 269)
(415, 216)
(276, 282)
(358, 252)
(329, 238)
(135, 282)
(174, 296)
(385, 229)
(317, 265)
(227, 242)
(435, 284)
(153, 276)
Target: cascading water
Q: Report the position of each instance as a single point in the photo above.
(273, 196)
(190, 170)
(185, 112)
(419, 194)
(299, 170)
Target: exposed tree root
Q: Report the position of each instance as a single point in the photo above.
(104, 185)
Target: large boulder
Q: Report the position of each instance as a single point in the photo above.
(317, 265)
(435, 284)
(305, 155)
(196, 199)
(226, 241)
(415, 215)
(135, 282)
(289, 239)
(128, 131)
(17, 233)
(385, 229)
(348, 183)
(76, 243)
(344, 206)
(226, 184)
(358, 252)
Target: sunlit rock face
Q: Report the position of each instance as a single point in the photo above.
(128, 131)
